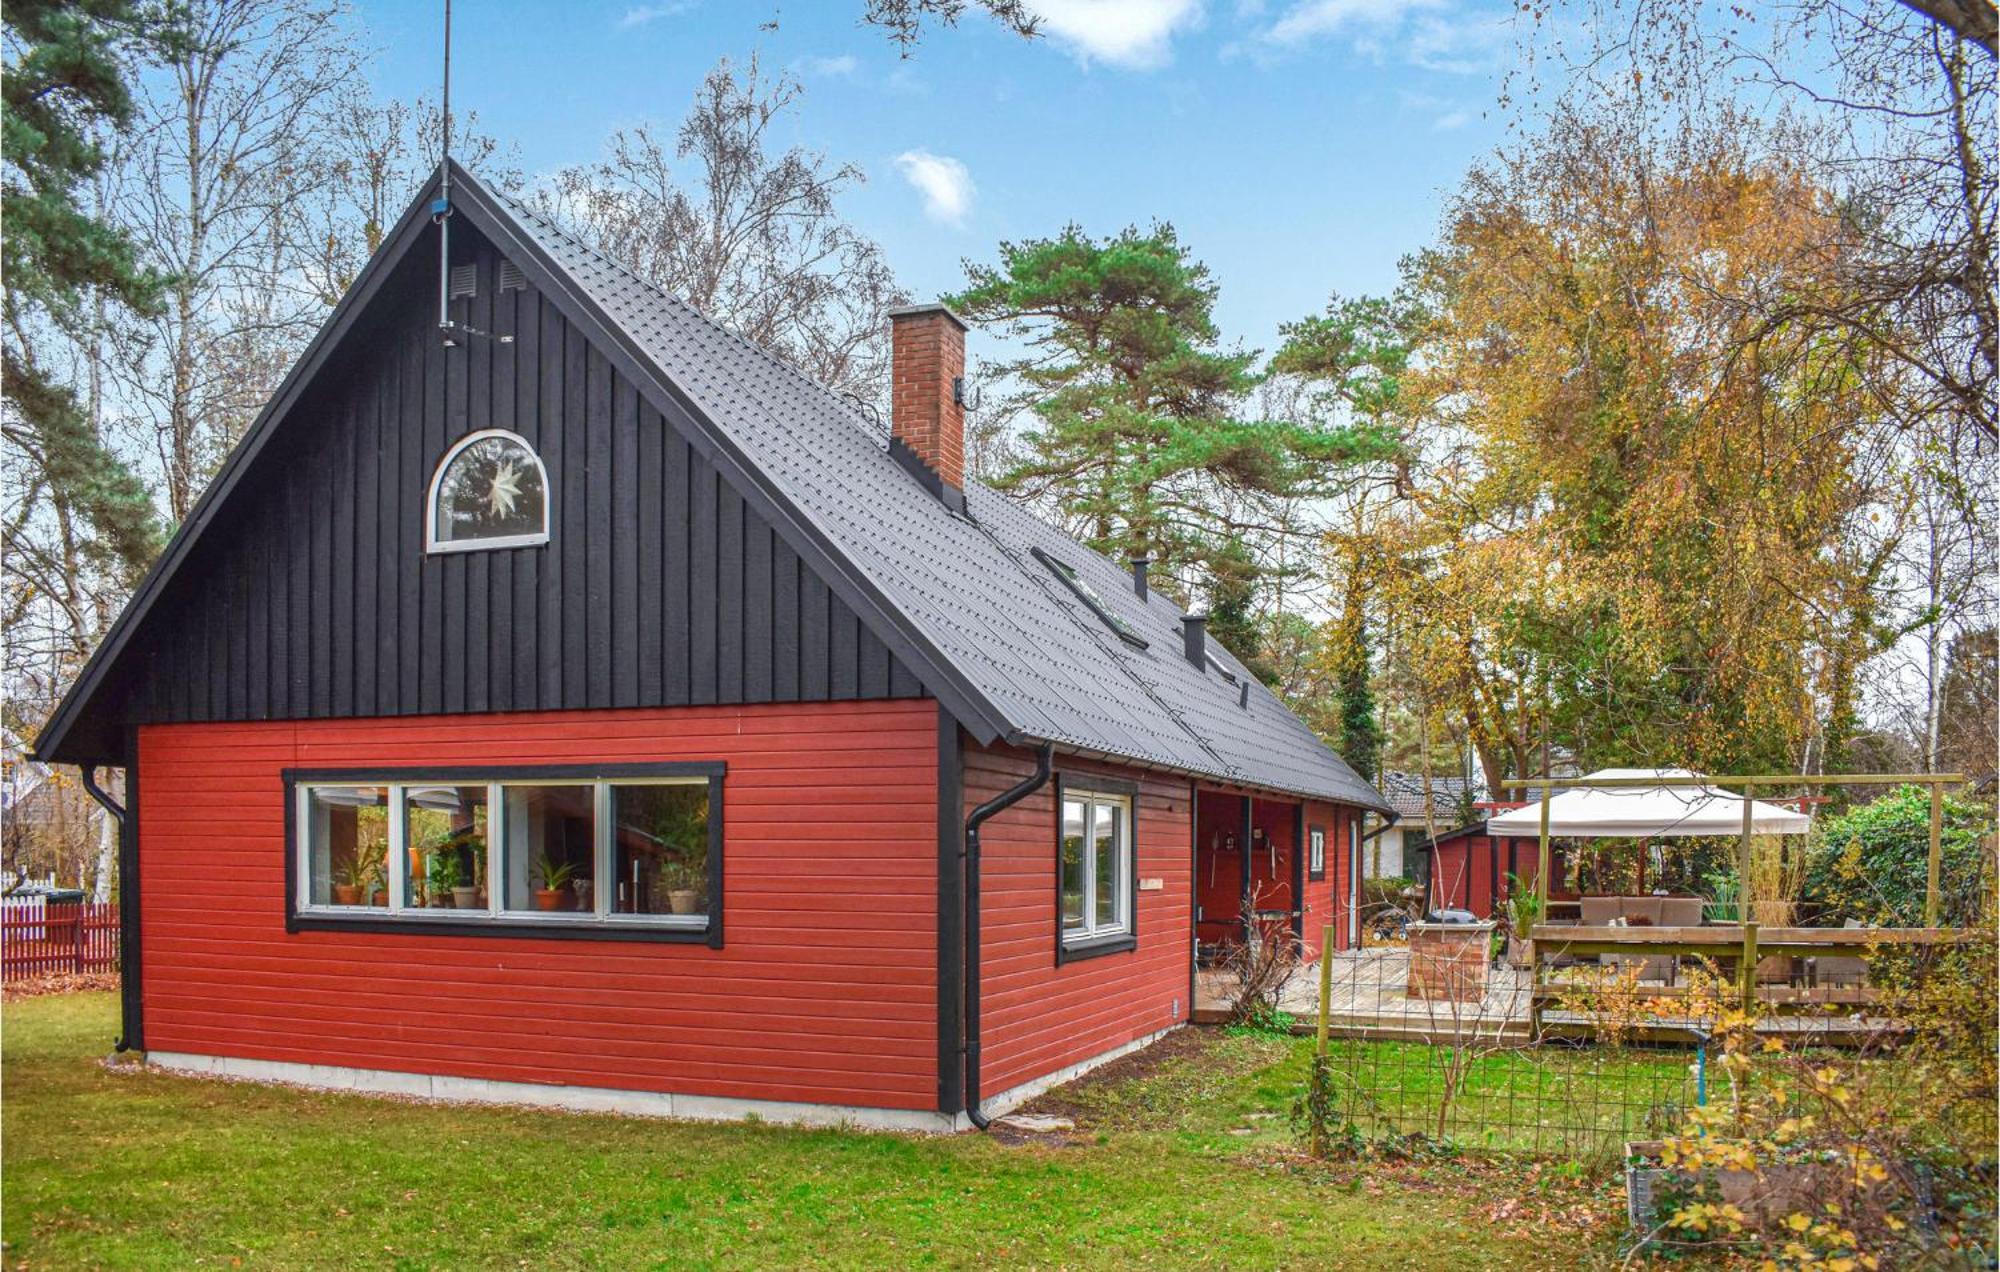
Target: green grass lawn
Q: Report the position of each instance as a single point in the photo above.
(1184, 1162)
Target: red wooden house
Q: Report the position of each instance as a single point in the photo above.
(558, 699)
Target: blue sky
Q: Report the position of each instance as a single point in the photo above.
(1299, 146)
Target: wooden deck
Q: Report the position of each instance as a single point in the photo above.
(1370, 998)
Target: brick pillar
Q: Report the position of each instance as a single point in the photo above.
(927, 354)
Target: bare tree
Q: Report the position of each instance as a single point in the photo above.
(750, 238)
(231, 147)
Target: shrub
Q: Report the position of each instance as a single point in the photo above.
(1871, 865)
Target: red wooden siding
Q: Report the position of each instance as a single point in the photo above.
(1466, 867)
(825, 992)
(1036, 1017)
(1325, 898)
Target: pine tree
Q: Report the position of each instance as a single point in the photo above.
(1138, 445)
(65, 78)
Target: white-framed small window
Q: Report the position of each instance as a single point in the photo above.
(561, 850)
(1095, 884)
(489, 491)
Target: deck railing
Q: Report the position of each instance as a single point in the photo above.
(1735, 951)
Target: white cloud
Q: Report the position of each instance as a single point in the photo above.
(646, 14)
(829, 67)
(1130, 33)
(943, 181)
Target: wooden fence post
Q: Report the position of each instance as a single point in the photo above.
(1325, 983)
(1936, 856)
(1746, 975)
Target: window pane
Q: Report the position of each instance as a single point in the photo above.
(493, 489)
(1074, 812)
(444, 830)
(551, 848)
(347, 837)
(659, 845)
(1108, 833)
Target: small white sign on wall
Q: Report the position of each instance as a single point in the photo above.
(1151, 885)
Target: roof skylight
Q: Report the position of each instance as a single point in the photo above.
(1088, 595)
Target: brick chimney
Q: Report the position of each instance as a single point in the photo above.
(927, 420)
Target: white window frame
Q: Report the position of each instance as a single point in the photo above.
(432, 544)
(1094, 927)
(604, 855)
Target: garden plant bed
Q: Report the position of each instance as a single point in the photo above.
(139, 1168)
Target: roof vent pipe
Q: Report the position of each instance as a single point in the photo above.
(1139, 564)
(1194, 635)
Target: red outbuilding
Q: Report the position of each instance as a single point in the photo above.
(557, 699)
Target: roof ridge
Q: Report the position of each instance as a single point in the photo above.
(520, 209)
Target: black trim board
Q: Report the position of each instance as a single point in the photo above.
(1122, 942)
(710, 934)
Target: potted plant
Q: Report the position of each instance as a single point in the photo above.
(682, 882)
(469, 891)
(350, 880)
(1524, 910)
(441, 873)
(555, 876)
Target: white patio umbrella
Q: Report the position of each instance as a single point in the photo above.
(1646, 812)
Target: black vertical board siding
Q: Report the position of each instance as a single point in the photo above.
(430, 623)
(477, 356)
(676, 628)
(624, 511)
(756, 610)
(367, 517)
(526, 391)
(389, 532)
(574, 545)
(702, 592)
(597, 691)
(316, 598)
(843, 648)
(340, 584)
(319, 603)
(413, 478)
(729, 594)
(550, 635)
(815, 636)
(784, 621)
(873, 656)
(648, 566)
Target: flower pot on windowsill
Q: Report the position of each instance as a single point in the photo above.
(550, 898)
(684, 901)
(346, 894)
(380, 897)
(466, 899)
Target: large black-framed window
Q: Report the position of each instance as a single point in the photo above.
(1316, 857)
(1097, 866)
(604, 852)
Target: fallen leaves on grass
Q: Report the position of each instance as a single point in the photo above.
(57, 983)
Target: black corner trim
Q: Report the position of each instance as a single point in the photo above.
(951, 913)
(1128, 940)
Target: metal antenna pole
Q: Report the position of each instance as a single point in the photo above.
(441, 210)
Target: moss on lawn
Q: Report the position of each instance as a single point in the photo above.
(142, 1169)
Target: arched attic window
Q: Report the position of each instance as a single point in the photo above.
(489, 491)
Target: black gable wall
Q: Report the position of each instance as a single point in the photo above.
(312, 596)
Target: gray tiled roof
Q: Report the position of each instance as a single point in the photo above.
(966, 585)
(1405, 792)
